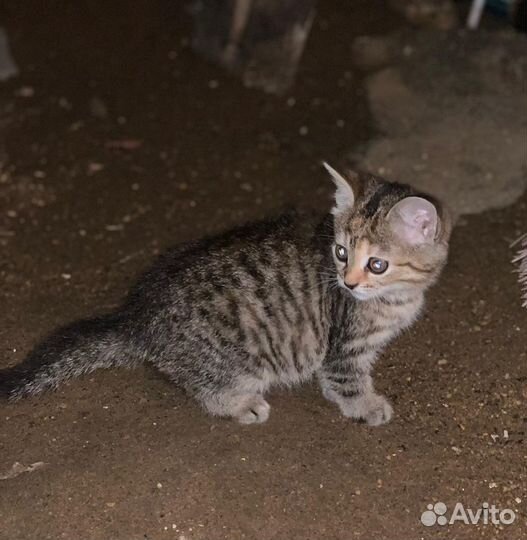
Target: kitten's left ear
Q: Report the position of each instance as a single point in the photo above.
(344, 197)
(414, 220)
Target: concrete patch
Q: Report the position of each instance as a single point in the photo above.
(450, 110)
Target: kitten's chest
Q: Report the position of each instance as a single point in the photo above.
(398, 314)
(376, 323)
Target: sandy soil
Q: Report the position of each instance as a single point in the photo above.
(128, 457)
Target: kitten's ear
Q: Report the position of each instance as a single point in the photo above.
(344, 197)
(414, 220)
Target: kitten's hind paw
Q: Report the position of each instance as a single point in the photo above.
(374, 409)
(246, 408)
(255, 411)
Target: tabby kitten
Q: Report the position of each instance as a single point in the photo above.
(271, 303)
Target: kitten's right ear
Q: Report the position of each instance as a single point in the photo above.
(344, 197)
(414, 220)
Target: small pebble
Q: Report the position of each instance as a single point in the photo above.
(95, 167)
(64, 103)
(114, 228)
(26, 91)
(98, 108)
(246, 187)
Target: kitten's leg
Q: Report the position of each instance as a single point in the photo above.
(349, 384)
(247, 408)
(219, 392)
(242, 399)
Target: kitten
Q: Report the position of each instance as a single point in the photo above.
(271, 303)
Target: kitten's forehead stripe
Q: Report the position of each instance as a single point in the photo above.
(362, 250)
(394, 191)
(415, 267)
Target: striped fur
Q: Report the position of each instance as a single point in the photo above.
(266, 304)
(521, 261)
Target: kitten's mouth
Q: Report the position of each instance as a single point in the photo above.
(357, 293)
(360, 295)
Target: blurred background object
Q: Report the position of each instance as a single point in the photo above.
(514, 10)
(261, 40)
(438, 14)
(8, 68)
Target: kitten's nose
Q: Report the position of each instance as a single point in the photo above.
(351, 286)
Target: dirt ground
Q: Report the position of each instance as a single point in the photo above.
(128, 457)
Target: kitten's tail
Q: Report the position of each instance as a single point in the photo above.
(74, 350)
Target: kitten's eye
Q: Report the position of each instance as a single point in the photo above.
(377, 266)
(341, 252)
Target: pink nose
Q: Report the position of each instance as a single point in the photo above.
(354, 277)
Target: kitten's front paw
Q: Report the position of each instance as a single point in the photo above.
(374, 409)
(381, 412)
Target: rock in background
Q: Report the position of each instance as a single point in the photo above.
(450, 109)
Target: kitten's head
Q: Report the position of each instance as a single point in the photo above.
(389, 238)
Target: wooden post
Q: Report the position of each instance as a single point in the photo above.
(259, 40)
